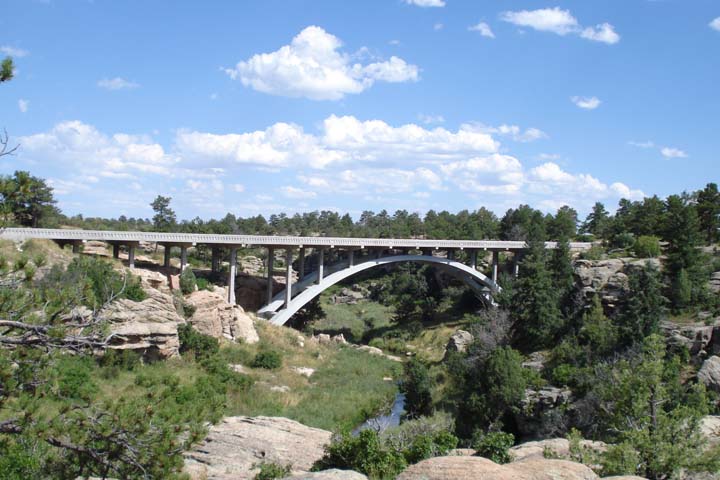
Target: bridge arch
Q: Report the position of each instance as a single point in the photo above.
(308, 289)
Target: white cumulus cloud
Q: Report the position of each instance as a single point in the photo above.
(426, 3)
(560, 22)
(586, 103)
(297, 193)
(715, 24)
(117, 83)
(483, 28)
(23, 105)
(313, 66)
(669, 152)
(13, 51)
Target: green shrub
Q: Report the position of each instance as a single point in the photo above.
(195, 343)
(494, 445)
(430, 445)
(268, 359)
(271, 471)
(417, 387)
(188, 282)
(29, 270)
(125, 359)
(74, 378)
(595, 252)
(647, 247)
(203, 284)
(20, 262)
(40, 260)
(364, 453)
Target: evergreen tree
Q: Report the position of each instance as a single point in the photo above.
(597, 221)
(26, 198)
(563, 274)
(708, 208)
(644, 305)
(417, 387)
(7, 70)
(164, 217)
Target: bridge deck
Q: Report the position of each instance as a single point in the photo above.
(266, 240)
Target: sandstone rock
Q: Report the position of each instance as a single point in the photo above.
(152, 279)
(558, 446)
(251, 292)
(214, 316)
(709, 373)
(478, 468)
(538, 417)
(234, 445)
(624, 477)
(148, 327)
(710, 428)
(238, 368)
(280, 388)
(252, 265)
(339, 338)
(333, 474)
(304, 371)
(536, 361)
(459, 341)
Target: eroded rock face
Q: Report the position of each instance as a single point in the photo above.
(148, 327)
(710, 428)
(608, 278)
(234, 445)
(709, 373)
(542, 412)
(478, 468)
(558, 446)
(459, 341)
(333, 474)
(214, 316)
(251, 292)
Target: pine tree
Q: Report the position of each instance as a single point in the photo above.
(597, 222)
(644, 305)
(563, 274)
(708, 208)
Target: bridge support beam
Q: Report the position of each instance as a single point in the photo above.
(451, 254)
(183, 257)
(131, 255)
(473, 259)
(270, 267)
(288, 276)
(495, 263)
(76, 247)
(166, 257)
(516, 264)
(351, 258)
(301, 264)
(321, 265)
(215, 262)
(116, 250)
(231, 275)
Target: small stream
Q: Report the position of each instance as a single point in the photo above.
(391, 419)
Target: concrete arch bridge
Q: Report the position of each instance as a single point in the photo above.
(351, 256)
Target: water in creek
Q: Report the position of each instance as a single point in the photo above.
(382, 422)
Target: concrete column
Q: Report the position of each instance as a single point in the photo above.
(231, 276)
(215, 262)
(270, 262)
(351, 258)
(516, 264)
(288, 276)
(379, 253)
(166, 260)
(116, 250)
(301, 264)
(451, 254)
(183, 257)
(495, 262)
(131, 256)
(321, 265)
(76, 247)
(473, 259)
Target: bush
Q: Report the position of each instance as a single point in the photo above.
(364, 453)
(74, 378)
(271, 471)
(595, 252)
(417, 387)
(188, 282)
(125, 359)
(204, 284)
(494, 445)
(195, 343)
(647, 247)
(430, 445)
(267, 359)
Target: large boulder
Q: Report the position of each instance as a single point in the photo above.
(709, 373)
(333, 474)
(459, 341)
(560, 447)
(543, 412)
(235, 444)
(214, 316)
(478, 468)
(710, 428)
(148, 327)
(608, 278)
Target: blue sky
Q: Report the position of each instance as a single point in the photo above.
(269, 106)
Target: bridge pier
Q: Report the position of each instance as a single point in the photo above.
(516, 264)
(131, 256)
(473, 259)
(451, 254)
(351, 258)
(301, 264)
(270, 266)
(231, 275)
(116, 250)
(321, 265)
(215, 262)
(495, 263)
(288, 276)
(166, 256)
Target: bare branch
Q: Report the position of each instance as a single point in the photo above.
(5, 148)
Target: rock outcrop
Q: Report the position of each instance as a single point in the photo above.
(214, 316)
(542, 411)
(235, 444)
(559, 447)
(709, 373)
(333, 474)
(710, 428)
(459, 341)
(148, 327)
(608, 278)
(478, 468)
